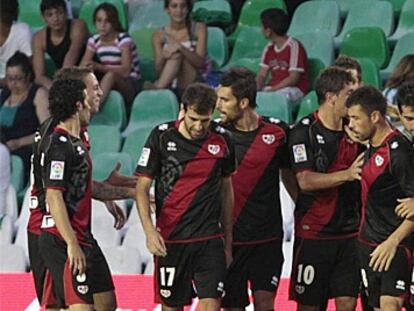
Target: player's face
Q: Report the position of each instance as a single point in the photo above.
(228, 105)
(55, 18)
(85, 111)
(341, 98)
(102, 24)
(196, 125)
(407, 118)
(94, 92)
(360, 123)
(178, 10)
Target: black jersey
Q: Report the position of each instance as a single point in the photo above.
(334, 212)
(260, 153)
(387, 175)
(68, 167)
(188, 175)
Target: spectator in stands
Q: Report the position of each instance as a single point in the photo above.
(4, 177)
(402, 74)
(180, 48)
(284, 57)
(117, 64)
(351, 65)
(23, 106)
(13, 36)
(62, 39)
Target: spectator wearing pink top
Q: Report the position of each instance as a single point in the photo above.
(116, 56)
(284, 58)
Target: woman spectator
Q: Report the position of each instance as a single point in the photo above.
(23, 106)
(117, 63)
(180, 48)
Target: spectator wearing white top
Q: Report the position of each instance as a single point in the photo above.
(4, 177)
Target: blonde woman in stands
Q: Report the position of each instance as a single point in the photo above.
(117, 64)
(180, 48)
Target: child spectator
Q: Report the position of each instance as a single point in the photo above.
(117, 64)
(284, 57)
(62, 39)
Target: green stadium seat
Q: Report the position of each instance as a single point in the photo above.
(252, 64)
(370, 73)
(112, 112)
(88, 8)
(308, 105)
(148, 15)
(104, 138)
(17, 173)
(249, 44)
(76, 5)
(397, 6)
(404, 46)
(135, 141)
(151, 108)
(315, 16)
(274, 105)
(368, 13)
(217, 46)
(366, 42)
(318, 45)
(250, 14)
(50, 66)
(29, 12)
(405, 22)
(143, 40)
(104, 163)
(315, 66)
(212, 12)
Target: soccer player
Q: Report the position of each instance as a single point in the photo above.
(191, 161)
(261, 150)
(327, 165)
(385, 239)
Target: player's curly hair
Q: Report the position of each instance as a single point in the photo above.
(405, 95)
(369, 98)
(200, 97)
(242, 82)
(63, 97)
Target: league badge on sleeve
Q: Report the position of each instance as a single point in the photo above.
(57, 169)
(143, 160)
(299, 153)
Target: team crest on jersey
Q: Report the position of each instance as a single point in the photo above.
(143, 160)
(268, 138)
(166, 293)
(83, 289)
(379, 160)
(299, 153)
(213, 149)
(57, 169)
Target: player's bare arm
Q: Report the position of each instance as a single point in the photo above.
(405, 208)
(227, 203)
(312, 181)
(77, 259)
(105, 192)
(383, 254)
(116, 179)
(155, 242)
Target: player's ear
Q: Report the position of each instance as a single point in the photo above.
(375, 116)
(244, 103)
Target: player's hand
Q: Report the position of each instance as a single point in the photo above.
(155, 244)
(406, 208)
(353, 137)
(117, 213)
(116, 179)
(77, 259)
(383, 255)
(354, 171)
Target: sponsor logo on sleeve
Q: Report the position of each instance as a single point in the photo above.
(57, 169)
(299, 153)
(145, 154)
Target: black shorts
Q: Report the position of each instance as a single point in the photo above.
(394, 282)
(37, 264)
(324, 269)
(259, 264)
(68, 288)
(202, 263)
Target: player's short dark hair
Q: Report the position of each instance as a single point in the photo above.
(369, 98)
(347, 63)
(200, 97)
(9, 11)
(405, 95)
(63, 96)
(52, 4)
(21, 60)
(74, 73)
(276, 20)
(242, 82)
(331, 80)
